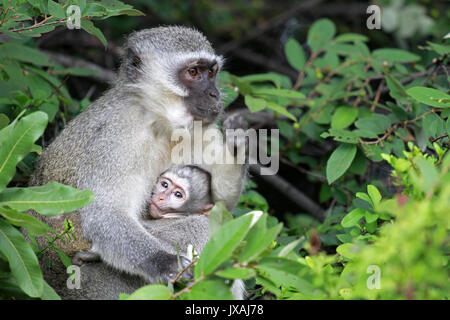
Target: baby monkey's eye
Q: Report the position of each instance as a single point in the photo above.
(193, 71)
(164, 184)
(178, 194)
(210, 74)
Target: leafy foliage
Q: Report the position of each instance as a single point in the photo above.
(31, 95)
(404, 236)
(364, 109)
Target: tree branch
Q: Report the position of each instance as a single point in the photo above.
(291, 192)
(104, 75)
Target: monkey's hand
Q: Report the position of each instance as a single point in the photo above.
(168, 266)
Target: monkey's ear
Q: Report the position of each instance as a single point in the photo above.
(133, 65)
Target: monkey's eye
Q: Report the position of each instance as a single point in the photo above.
(193, 72)
(210, 74)
(178, 194)
(164, 184)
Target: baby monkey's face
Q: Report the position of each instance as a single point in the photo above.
(168, 196)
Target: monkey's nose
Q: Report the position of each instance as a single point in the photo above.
(212, 92)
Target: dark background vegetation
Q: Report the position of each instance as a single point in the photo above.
(251, 36)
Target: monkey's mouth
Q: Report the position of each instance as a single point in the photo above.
(209, 113)
(155, 210)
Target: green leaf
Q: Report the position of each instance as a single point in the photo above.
(343, 117)
(210, 289)
(16, 141)
(370, 217)
(33, 225)
(151, 292)
(341, 135)
(237, 273)
(430, 97)
(23, 262)
(433, 125)
(50, 109)
(286, 129)
(51, 199)
(285, 272)
(320, 34)
(24, 53)
(259, 239)
(289, 248)
(347, 250)
(395, 55)
(439, 48)
(48, 293)
(222, 244)
(279, 80)
(89, 27)
(349, 37)
(374, 194)
(254, 104)
(4, 121)
(364, 197)
(280, 109)
(295, 54)
(56, 9)
(397, 91)
(218, 216)
(279, 93)
(377, 123)
(339, 161)
(430, 175)
(352, 218)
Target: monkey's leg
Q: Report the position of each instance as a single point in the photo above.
(82, 257)
(125, 244)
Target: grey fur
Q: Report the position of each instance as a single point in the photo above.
(118, 146)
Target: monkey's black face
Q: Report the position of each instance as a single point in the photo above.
(199, 77)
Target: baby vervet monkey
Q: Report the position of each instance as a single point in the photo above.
(181, 191)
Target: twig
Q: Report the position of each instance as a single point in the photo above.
(377, 96)
(188, 287)
(366, 82)
(439, 138)
(183, 271)
(395, 126)
(301, 75)
(6, 13)
(38, 25)
(291, 192)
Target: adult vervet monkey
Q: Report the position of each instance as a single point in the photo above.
(120, 144)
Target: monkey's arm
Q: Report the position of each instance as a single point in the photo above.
(227, 180)
(120, 239)
(131, 248)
